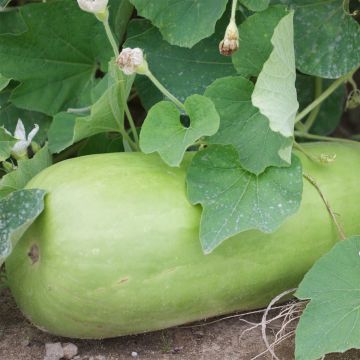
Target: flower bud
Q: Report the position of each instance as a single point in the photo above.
(132, 61)
(93, 6)
(230, 43)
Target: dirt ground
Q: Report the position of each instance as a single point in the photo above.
(219, 340)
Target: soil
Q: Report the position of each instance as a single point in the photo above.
(219, 340)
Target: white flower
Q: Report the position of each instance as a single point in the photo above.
(230, 43)
(19, 150)
(93, 6)
(132, 61)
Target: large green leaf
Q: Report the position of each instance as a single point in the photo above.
(275, 92)
(256, 5)
(102, 143)
(6, 144)
(255, 40)
(330, 322)
(331, 108)
(11, 22)
(243, 126)
(56, 59)
(26, 170)
(17, 212)
(120, 14)
(235, 200)
(184, 22)
(164, 133)
(9, 115)
(107, 115)
(182, 71)
(327, 39)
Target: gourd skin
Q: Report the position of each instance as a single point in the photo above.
(119, 253)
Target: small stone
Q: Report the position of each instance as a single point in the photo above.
(53, 351)
(25, 342)
(70, 350)
(134, 354)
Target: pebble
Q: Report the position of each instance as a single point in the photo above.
(70, 350)
(53, 351)
(134, 354)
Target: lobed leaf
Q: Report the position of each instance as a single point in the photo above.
(235, 200)
(327, 39)
(330, 322)
(176, 19)
(54, 63)
(243, 126)
(164, 133)
(275, 91)
(255, 40)
(107, 115)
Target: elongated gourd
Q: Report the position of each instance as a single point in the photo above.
(117, 252)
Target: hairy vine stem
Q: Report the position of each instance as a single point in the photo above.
(315, 112)
(324, 138)
(134, 144)
(324, 95)
(339, 227)
(233, 10)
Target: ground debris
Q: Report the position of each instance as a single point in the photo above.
(70, 350)
(53, 351)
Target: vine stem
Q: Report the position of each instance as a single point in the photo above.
(324, 138)
(115, 48)
(339, 228)
(324, 95)
(306, 153)
(315, 112)
(167, 93)
(233, 10)
(111, 37)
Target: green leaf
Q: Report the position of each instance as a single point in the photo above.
(235, 200)
(275, 92)
(11, 22)
(243, 126)
(25, 171)
(255, 40)
(164, 133)
(4, 82)
(54, 61)
(105, 116)
(327, 40)
(9, 115)
(176, 19)
(17, 212)
(182, 71)
(331, 108)
(330, 322)
(6, 144)
(101, 143)
(120, 12)
(256, 5)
